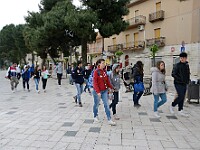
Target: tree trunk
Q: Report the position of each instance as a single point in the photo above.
(43, 62)
(33, 58)
(84, 51)
(52, 59)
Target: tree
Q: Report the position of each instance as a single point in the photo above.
(110, 16)
(154, 49)
(81, 22)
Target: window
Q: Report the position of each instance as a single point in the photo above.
(114, 41)
(127, 41)
(158, 6)
(157, 33)
(136, 35)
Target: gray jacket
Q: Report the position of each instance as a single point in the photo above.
(115, 79)
(59, 68)
(158, 81)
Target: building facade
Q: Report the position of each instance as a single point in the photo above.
(174, 25)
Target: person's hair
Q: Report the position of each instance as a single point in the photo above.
(99, 62)
(158, 66)
(114, 71)
(140, 66)
(108, 68)
(183, 54)
(44, 67)
(79, 62)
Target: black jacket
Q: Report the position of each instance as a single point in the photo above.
(78, 75)
(181, 73)
(87, 73)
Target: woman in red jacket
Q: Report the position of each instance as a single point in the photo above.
(101, 84)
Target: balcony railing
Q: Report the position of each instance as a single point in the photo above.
(114, 48)
(156, 16)
(135, 2)
(158, 41)
(135, 21)
(95, 50)
(135, 45)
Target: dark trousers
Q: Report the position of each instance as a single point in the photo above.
(181, 90)
(136, 97)
(26, 81)
(114, 102)
(44, 83)
(59, 76)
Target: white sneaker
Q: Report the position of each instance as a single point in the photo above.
(156, 114)
(96, 120)
(181, 113)
(171, 109)
(13, 91)
(38, 91)
(116, 117)
(112, 123)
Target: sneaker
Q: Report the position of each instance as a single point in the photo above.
(13, 91)
(44, 91)
(28, 90)
(80, 105)
(112, 123)
(181, 113)
(116, 117)
(75, 99)
(137, 105)
(96, 120)
(171, 109)
(156, 114)
(38, 91)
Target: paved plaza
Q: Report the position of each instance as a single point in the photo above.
(52, 121)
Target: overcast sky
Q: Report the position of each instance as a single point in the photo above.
(13, 11)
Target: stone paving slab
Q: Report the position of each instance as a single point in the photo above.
(52, 121)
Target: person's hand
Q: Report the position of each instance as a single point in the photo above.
(99, 95)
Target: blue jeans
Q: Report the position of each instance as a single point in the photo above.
(104, 96)
(181, 90)
(86, 86)
(79, 88)
(157, 102)
(37, 80)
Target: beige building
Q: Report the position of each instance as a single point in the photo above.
(173, 25)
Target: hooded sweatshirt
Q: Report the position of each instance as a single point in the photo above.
(158, 81)
(115, 78)
(59, 68)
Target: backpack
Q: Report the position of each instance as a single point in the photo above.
(90, 79)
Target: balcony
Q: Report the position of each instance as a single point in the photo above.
(157, 16)
(95, 50)
(158, 41)
(135, 21)
(136, 45)
(135, 2)
(114, 48)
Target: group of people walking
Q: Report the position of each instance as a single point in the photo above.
(105, 86)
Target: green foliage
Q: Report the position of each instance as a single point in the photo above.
(154, 49)
(118, 53)
(110, 15)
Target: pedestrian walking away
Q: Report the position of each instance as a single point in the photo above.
(26, 75)
(115, 82)
(159, 86)
(86, 74)
(137, 75)
(12, 75)
(36, 77)
(101, 84)
(79, 80)
(181, 75)
(59, 71)
(45, 74)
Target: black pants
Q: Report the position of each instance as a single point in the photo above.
(59, 76)
(181, 90)
(26, 81)
(114, 102)
(44, 83)
(136, 97)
